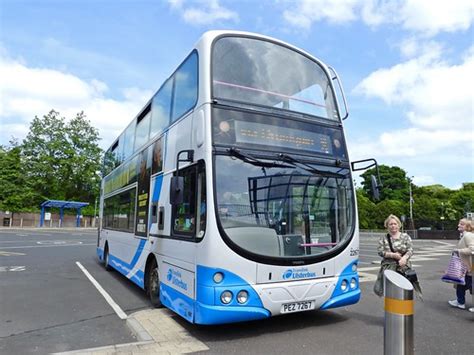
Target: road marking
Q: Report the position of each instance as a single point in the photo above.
(51, 246)
(422, 258)
(445, 243)
(104, 293)
(9, 253)
(58, 242)
(12, 268)
(369, 268)
(366, 277)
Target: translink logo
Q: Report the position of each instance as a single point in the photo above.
(174, 276)
(301, 273)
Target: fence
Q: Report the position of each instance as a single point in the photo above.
(28, 220)
(377, 233)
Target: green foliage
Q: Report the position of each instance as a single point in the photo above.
(58, 160)
(462, 201)
(434, 206)
(365, 210)
(16, 192)
(394, 182)
(385, 208)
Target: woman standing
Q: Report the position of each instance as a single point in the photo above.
(396, 250)
(464, 249)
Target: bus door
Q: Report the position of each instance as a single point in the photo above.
(188, 224)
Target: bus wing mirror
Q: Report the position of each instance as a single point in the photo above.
(188, 157)
(374, 188)
(375, 182)
(176, 190)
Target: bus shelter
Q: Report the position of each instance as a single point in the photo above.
(62, 205)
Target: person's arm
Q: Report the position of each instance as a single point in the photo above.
(381, 247)
(384, 250)
(409, 245)
(469, 241)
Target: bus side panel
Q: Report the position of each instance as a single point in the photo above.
(127, 254)
(177, 287)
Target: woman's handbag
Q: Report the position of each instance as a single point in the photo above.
(456, 272)
(410, 275)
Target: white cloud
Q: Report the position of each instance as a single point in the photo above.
(28, 92)
(435, 93)
(431, 17)
(425, 17)
(204, 12)
(438, 104)
(423, 180)
(308, 11)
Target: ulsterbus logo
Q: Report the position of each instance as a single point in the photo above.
(301, 273)
(174, 276)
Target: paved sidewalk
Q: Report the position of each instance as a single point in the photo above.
(158, 333)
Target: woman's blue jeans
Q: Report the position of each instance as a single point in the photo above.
(461, 290)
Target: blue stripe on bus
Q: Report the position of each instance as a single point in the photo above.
(340, 298)
(138, 253)
(157, 189)
(178, 302)
(125, 268)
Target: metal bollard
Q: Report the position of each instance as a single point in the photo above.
(399, 313)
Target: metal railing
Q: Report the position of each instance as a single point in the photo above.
(376, 233)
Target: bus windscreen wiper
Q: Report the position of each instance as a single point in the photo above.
(247, 158)
(297, 163)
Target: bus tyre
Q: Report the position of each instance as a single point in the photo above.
(153, 285)
(106, 260)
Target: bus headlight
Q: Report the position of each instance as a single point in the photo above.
(242, 297)
(354, 267)
(226, 297)
(218, 277)
(353, 283)
(344, 285)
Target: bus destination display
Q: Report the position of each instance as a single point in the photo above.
(259, 133)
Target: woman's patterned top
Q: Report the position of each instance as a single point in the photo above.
(402, 245)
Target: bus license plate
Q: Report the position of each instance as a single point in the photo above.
(297, 306)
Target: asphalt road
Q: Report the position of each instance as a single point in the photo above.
(48, 305)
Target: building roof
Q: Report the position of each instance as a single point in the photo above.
(64, 204)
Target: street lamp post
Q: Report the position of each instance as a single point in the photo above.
(412, 225)
(442, 216)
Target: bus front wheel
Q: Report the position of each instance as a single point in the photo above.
(153, 285)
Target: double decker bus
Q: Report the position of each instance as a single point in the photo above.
(230, 197)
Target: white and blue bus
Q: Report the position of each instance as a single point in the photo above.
(229, 197)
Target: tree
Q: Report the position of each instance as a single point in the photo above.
(462, 201)
(394, 183)
(365, 209)
(16, 192)
(62, 159)
(84, 157)
(384, 208)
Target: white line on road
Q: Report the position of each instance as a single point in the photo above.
(104, 293)
(9, 253)
(49, 246)
(12, 268)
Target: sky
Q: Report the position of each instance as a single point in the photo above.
(407, 67)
